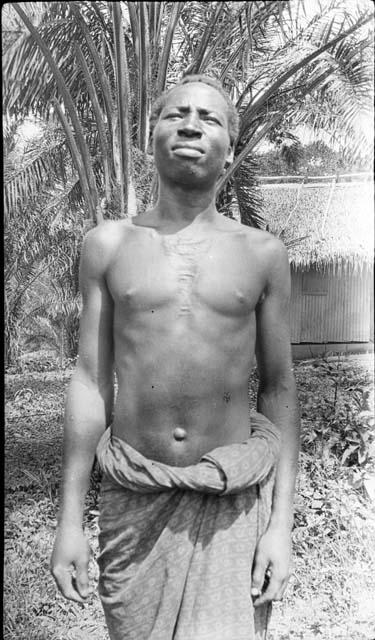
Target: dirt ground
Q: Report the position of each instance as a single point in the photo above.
(331, 595)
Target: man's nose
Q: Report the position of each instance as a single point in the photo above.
(190, 126)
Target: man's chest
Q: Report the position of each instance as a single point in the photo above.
(220, 273)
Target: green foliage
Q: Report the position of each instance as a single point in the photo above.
(43, 231)
(334, 531)
(248, 194)
(143, 164)
(274, 58)
(92, 73)
(42, 250)
(53, 305)
(319, 159)
(289, 157)
(342, 421)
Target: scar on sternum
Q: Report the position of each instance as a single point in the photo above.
(185, 257)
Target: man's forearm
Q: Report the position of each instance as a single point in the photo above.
(280, 405)
(86, 416)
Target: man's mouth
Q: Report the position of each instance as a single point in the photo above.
(187, 151)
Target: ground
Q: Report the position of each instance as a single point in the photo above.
(331, 592)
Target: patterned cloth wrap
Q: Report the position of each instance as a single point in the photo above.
(177, 543)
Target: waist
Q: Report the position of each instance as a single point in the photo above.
(224, 470)
(180, 431)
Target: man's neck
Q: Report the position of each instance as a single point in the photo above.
(177, 207)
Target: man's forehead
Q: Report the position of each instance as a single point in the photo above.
(198, 94)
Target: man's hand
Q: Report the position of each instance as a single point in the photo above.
(69, 563)
(271, 568)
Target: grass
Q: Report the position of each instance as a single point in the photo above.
(330, 595)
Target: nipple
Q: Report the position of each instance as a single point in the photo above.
(179, 433)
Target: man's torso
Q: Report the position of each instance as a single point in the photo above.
(184, 336)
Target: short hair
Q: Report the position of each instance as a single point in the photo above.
(233, 118)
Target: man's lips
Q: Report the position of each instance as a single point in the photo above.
(187, 150)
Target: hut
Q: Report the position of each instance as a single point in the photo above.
(327, 226)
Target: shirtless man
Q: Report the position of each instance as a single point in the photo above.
(178, 301)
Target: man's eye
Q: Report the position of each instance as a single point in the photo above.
(211, 119)
(173, 115)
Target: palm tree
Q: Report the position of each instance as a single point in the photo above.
(42, 235)
(52, 307)
(270, 56)
(41, 244)
(93, 68)
(94, 104)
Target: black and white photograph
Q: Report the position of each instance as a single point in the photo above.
(189, 441)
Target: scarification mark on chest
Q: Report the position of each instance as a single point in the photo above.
(185, 256)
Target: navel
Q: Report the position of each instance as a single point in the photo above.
(179, 434)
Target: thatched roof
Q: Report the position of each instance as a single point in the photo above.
(322, 223)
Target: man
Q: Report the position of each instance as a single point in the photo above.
(195, 540)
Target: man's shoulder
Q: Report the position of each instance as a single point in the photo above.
(265, 242)
(102, 242)
(106, 235)
(107, 230)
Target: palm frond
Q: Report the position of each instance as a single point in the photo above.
(84, 168)
(163, 65)
(58, 29)
(248, 194)
(122, 93)
(35, 171)
(145, 76)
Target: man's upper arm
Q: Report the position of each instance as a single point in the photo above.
(273, 351)
(96, 323)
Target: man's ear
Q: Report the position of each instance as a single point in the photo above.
(229, 159)
(150, 150)
(230, 156)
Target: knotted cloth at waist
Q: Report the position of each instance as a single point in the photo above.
(225, 470)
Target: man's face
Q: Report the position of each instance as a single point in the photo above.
(191, 140)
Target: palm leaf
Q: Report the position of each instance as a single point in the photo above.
(122, 93)
(199, 54)
(263, 96)
(79, 164)
(144, 76)
(102, 136)
(25, 181)
(163, 65)
(83, 167)
(250, 146)
(99, 68)
(248, 195)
